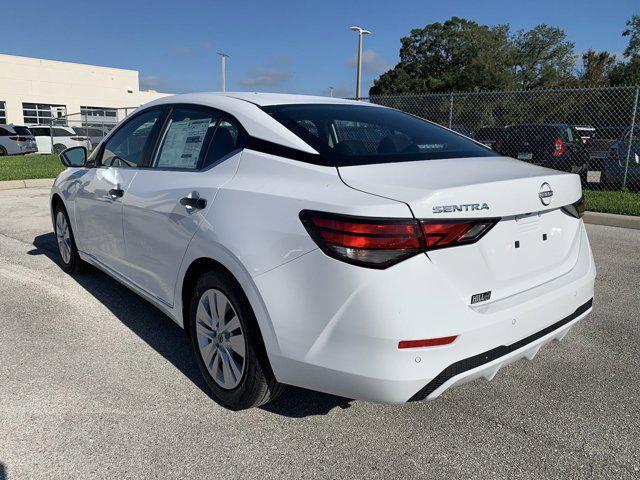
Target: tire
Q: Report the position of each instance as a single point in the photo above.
(70, 260)
(3, 151)
(58, 148)
(236, 382)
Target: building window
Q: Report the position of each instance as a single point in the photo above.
(42, 114)
(3, 113)
(97, 116)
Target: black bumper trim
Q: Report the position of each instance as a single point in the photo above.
(493, 354)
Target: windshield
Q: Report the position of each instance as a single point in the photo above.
(361, 135)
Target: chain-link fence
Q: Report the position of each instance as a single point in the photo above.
(593, 132)
(86, 128)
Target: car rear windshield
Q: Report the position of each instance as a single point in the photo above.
(363, 134)
(23, 131)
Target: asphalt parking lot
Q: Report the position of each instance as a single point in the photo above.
(96, 383)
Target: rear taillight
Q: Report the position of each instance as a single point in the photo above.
(445, 234)
(498, 145)
(19, 139)
(78, 139)
(369, 242)
(612, 154)
(558, 147)
(380, 243)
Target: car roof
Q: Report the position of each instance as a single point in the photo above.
(245, 107)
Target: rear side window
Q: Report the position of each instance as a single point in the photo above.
(61, 132)
(185, 139)
(4, 132)
(225, 141)
(41, 132)
(127, 145)
(23, 131)
(360, 134)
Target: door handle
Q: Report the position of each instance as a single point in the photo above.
(116, 193)
(195, 203)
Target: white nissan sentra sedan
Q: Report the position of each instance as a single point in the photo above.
(334, 245)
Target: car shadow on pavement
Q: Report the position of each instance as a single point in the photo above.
(169, 340)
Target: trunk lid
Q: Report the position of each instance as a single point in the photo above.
(534, 241)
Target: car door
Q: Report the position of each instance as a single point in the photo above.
(43, 138)
(198, 151)
(98, 204)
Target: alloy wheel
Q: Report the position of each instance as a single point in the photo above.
(63, 235)
(221, 339)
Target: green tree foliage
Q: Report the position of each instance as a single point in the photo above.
(455, 55)
(543, 57)
(628, 72)
(597, 69)
(633, 32)
(462, 55)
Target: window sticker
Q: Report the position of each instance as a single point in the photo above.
(183, 143)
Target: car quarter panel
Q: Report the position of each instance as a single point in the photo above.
(253, 226)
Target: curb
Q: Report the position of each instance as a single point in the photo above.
(29, 183)
(612, 220)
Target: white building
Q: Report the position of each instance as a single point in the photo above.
(33, 90)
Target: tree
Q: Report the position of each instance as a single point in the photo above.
(632, 31)
(452, 56)
(597, 68)
(461, 55)
(628, 72)
(543, 58)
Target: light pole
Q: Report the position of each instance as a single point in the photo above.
(361, 32)
(223, 64)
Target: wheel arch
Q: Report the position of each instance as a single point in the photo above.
(242, 280)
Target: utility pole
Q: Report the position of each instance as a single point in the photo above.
(361, 32)
(223, 64)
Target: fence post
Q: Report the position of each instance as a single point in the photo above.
(51, 133)
(450, 109)
(633, 123)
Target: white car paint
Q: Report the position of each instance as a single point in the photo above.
(329, 325)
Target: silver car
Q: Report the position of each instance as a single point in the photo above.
(16, 140)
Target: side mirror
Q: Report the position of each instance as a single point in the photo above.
(74, 157)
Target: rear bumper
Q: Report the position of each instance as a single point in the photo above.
(487, 364)
(338, 326)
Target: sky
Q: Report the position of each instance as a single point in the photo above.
(277, 46)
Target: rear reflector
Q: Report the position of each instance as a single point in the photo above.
(382, 242)
(429, 342)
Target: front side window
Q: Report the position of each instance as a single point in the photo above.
(185, 139)
(126, 147)
(360, 134)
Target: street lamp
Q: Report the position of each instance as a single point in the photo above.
(223, 61)
(361, 32)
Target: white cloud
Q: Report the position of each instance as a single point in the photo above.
(149, 81)
(274, 74)
(372, 62)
